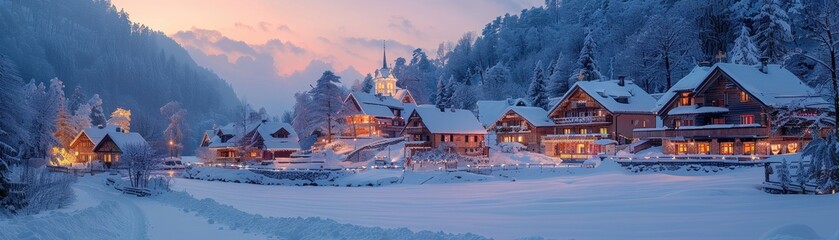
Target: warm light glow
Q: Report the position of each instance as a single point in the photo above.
(62, 157)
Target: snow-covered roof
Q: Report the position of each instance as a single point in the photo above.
(608, 92)
(401, 93)
(776, 87)
(687, 83)
(123, 139)
(694, 109)
(459, 121)
(235, 130)
(267, 128)
(95, 134)
(378, 105)
(490, 110)
(536, 116)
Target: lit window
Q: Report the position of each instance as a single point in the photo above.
(604, 131)
(792, 148)
(718, 120)
(727, 148)
(566, 131)
(677, 123)
(775, 148)
(583, 131)
(681, 148)
(687, 122)
(684, 101)
(703, 148)
(521, 139)
(749, 148)
(744, 97)
(747, 119)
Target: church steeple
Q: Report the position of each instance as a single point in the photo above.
(384, 55)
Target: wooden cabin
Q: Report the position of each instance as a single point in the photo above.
(525, 125)
(594, 114)
(113, 144)
(255, 141)
(455, 130)
(727, 109)
(83, 145)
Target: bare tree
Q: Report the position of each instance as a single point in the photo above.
(139, 160)
(822, 26)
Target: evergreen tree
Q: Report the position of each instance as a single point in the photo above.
(783, 174)
(537, 93)
(64, 129)
(304, 122)
(449, 91)
(772, 31)
(587, 69)
(495, 79)
(557, 84)
(801, 174)
(14, 118)
(43, 121)
(744, 50)
(326, 99)
(121, 118)
(368, 85)
(76, 99)
(97, 114)
(440, 95)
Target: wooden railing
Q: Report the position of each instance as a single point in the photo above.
(694, 132)
(583, 120)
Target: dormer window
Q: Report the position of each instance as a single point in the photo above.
(622, 100)
(684, 100)
(282, 133)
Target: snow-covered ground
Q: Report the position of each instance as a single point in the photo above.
(609, 204)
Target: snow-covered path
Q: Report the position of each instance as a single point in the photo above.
(610, 205)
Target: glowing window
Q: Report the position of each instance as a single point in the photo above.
(703, 148)
(792, 148)
(727, 148)
(681, 148)
(744, 97)
(604, 131)
(749, 148)
(566, 131)
(583, 131)
(747, 119)
(775, 148)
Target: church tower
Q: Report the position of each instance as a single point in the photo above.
(385, 81)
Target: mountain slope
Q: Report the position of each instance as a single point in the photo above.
(89, 43)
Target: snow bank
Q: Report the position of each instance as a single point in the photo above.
(229, 175)
(105, 221)
(791, 232)
(293, 228)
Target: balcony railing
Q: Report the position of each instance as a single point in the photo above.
(512, 129)
(702, 131)
(583, 120)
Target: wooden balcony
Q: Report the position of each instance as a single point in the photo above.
(583, 120)
(703, 131)
(413, 130)
(512, 129)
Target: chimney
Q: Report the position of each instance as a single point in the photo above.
(100, 126)
(621, 80)
(452, 108)
(763, 62)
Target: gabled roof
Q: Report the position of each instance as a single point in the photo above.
(95, 134)
(267, 128)
(376, 105)
(401, 93)
(777, 87)
(607, 92)
(536, 116)
(459, 121)
(234, 130)
(490, 110)
(123, 140)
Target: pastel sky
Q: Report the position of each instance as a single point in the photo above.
(270, 49)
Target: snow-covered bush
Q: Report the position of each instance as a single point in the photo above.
(824, 156)
(205, 154)
(160, 183)
(38, 189)
(511, 147)
(140, 160)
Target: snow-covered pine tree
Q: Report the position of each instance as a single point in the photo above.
(801, 174)
(495, 79)
(440, 95)
(75, 99)
(303, 122)
(586, 69)
(463, 96)
(537, 93)
(557, 84)
(64, 129)
(122, 118)
(81, 118)
(368, 84)
(41, 129)
(449, 91)
(783, 174)
(772, 31)
(326, 99)
(744, 50)
(824, 161)
(13, 120)
(97, 114)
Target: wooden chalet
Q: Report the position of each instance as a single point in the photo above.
(255, 141)
(103, 143)
(525, 125)
(595, 114)
(727, 109)
(455, 130)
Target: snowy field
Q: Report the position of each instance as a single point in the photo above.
(603, 203)
(607, 205)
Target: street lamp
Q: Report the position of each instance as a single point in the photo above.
(171, 148)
